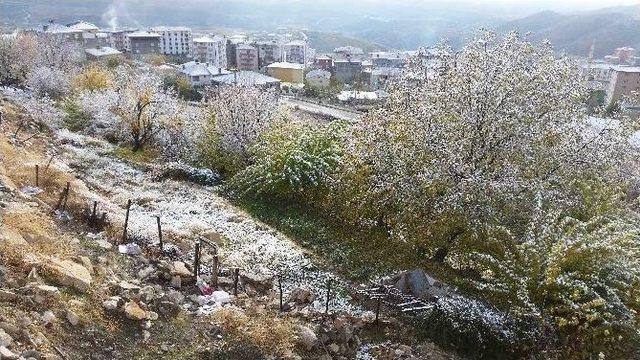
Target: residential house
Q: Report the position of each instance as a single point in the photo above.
(246, 57)
(287, 72)
(211, 50)
(388, 59)
(63, 32)
(625, 81)
(144, 43)
(247, 78)
(84, 27)
(200, 73)
(323, 62)
(347, 71)
(318, 78)
(380, 77)
(348, 52)
(174, 40)
(101, 53)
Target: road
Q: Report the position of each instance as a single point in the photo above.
(340, 114)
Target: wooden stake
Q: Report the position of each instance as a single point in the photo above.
(126, 222)
(93, 218)
(378, 308)
(280, 289)
(236, 278)
(326, 306)
(214, 271)
(66, 196)
(160, 234)
(37, 175)
(196, 261)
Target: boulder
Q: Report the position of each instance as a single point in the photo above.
(421, 285)
(68, 273)
(7, 354)
(176, 282)
(133, 311)
(260, 283)
(72, 318)
(112, 303)
(48, 317)
(180, 269)
(307, 337)
(301, 296)
(5, 339)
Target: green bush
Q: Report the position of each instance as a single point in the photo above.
(292, 159)
(75, 118)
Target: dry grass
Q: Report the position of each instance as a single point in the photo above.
(274, 336)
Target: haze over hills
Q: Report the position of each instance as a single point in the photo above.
(405, 25)
(606, 29)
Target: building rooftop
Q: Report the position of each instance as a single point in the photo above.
(245, 47)
(195, 68)
(169, 28)
(286, 65)
(296, 43)
(143, 34)
(627, 69)
(319, 73)
(349, 50)
(102, 51)
(60, 29)
(245, 78)
(208, 39)
(83, 26)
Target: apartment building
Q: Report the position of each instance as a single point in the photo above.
(118, 38)
(211, 50)
(269, 52)
(295, 51)
(144, 43)
(246, 57)
(174, 40)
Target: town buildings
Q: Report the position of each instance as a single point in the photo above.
(287, 72)
(246, 57)
(144, 43)
(323, 62)
(174, 40)
(211, 50)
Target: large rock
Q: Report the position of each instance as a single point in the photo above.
(421, 285)
(133, 311)
(180, 269)
(67, 273)
(5, 339)
(181, 172)
(307, 337)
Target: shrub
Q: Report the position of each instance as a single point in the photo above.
(75, 118)
(93, 78)
(292, 159)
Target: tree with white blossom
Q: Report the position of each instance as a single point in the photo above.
(236, 117)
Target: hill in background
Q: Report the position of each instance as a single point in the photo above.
(608, 28)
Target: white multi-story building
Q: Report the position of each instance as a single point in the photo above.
(211, 50)
(174, 40)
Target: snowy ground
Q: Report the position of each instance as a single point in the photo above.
(189, 210)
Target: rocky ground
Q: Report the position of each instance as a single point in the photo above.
(68, 290)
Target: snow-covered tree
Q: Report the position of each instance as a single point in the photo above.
(142, 106)
(474, 135)
(236, 117)
(48, 81)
